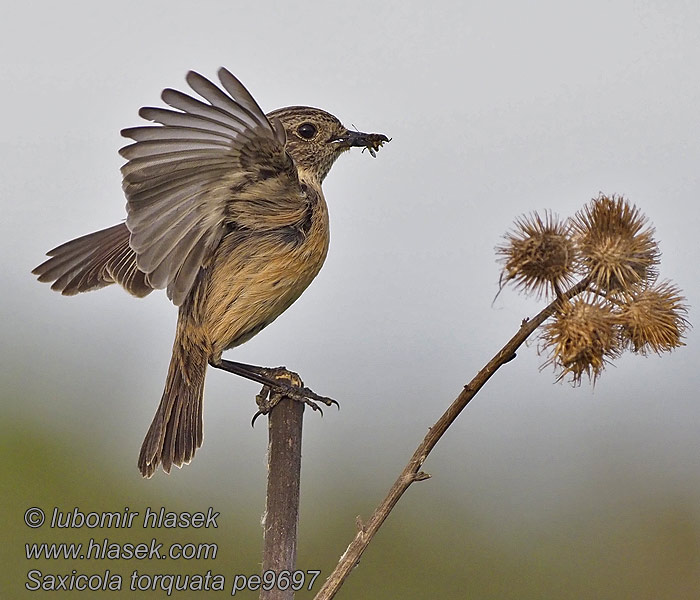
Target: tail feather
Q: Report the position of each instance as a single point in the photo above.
(93, 261)
(176, 430)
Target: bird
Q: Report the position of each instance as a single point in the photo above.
(225, 212)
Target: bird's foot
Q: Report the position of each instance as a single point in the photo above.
(286, 384)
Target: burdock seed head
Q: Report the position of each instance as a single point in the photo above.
(581, 339)
(538, 254)
(615, 248)
(654, 319)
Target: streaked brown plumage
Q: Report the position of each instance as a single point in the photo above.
(224, 210)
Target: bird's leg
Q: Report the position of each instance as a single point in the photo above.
(277, 382)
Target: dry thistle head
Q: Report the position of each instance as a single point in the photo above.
(581, 338)
(538, 254)
(654, 320)
(615, 249)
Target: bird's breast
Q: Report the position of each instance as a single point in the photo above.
(256, 275)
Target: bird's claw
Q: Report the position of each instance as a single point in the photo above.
(287, 385)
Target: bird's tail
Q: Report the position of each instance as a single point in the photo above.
(176, 430)
(93, 261)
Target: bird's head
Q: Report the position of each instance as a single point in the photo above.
(316, 138)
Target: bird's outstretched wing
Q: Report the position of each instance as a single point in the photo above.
(210, 165)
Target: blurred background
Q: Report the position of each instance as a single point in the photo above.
(539, 490)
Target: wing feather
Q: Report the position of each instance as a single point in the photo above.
(148, 133)
(165, 147)
(176, 224)
(238, 91)
(177, 189)
(220, 100)
(173, 118)
(192, 237)
(237, 122)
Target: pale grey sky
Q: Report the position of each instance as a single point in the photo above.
(495, 109)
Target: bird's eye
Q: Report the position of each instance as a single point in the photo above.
(307, 131)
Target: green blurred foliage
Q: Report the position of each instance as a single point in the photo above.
(631, 549)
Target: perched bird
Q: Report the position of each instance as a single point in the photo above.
(225, 211)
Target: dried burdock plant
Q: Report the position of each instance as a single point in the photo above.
(654, 320)
(539, 255)
(614, 247)
(581, 338)
(618, 306)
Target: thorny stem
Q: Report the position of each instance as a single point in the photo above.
(412, 470)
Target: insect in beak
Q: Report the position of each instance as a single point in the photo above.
(366, 141)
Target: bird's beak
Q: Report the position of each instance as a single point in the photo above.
(368, 141)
